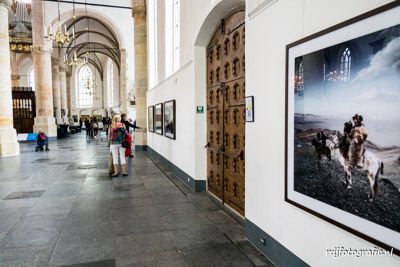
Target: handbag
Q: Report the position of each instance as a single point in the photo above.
(125, 144)
(110, 165)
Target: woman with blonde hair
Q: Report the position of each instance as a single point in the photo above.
(116, 137)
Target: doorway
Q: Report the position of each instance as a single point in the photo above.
(226, 112)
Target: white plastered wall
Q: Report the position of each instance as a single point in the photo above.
(268, 32)
(273, 25)
(198, 20)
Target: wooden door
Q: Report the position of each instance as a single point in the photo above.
(24, 109)
(226, 112)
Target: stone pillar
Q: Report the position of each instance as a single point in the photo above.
(140, 48)
(15, 77)
(63, 87)
(122, 83)
(56, 89)
(9, 145)
(41, 53)
(69, 92)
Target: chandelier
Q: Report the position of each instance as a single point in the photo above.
(57, 35)
(75, 61)
(91, 82)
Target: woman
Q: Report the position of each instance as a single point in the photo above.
(116, 136)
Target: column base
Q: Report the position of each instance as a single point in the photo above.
(47, 125)
(9, 145)
(140, 138)
(59, 121)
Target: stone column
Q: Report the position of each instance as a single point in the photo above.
(15, 77)
(56, 89)
(41, 52)
(140, 48)
(63, 87)
(69, 92)
(9, 145)
(122, 82)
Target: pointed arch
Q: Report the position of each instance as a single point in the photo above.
(345, 64)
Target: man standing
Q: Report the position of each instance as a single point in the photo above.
(127, 125)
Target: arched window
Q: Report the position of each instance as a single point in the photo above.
(152, 37)
(111, 83)
(85, 86)
(177, 29)
(31, 79)
(299, 80)
(345, 65)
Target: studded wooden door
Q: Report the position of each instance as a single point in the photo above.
(226, 112)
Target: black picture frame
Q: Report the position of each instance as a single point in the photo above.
(170, 119)
(150, 119)
(158, 119)
(249, 102)
(297, 127)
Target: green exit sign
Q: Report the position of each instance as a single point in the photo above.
(200, 109)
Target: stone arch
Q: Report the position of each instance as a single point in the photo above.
(213, 19)
(210, 23)
(66, 16)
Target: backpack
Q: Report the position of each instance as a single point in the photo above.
(42, 137)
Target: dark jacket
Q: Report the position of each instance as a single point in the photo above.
(128, 124)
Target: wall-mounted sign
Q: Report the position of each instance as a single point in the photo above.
(200, 109)
(249, 108)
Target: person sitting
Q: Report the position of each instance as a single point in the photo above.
(41, 142)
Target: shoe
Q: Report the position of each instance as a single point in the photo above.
(125, 174)
(131, 156)
(47, 149)
(114, 175)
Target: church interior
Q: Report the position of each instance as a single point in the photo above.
(199, 133)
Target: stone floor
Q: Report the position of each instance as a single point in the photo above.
(60, 208)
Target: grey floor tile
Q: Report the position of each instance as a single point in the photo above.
(45, 222)
(132, 202)
(175, 208)
(24, 194)
(30, 237)
(27, 256)
(164, 258)
(225, 254)
(143, 243)
(197, 236)
(83, 250)
(182, 221)
(85, 218)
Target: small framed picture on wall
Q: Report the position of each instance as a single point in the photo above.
(158, 119)
(250, 109)
(169, 119)
(150, 119)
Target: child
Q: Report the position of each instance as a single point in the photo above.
(42, 141)
(128, 151)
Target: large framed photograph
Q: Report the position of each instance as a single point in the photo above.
(158, 119)
(170, 119)
(150, 118)
(343, 125)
